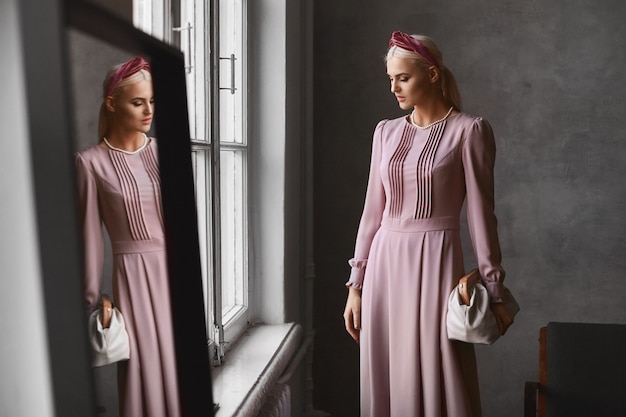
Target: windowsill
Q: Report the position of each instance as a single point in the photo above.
(252, 368)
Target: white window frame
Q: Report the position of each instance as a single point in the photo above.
(217, 113)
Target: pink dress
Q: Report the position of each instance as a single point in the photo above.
(408, 258)
(123, 191)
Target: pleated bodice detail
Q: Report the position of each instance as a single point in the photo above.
(423, 171)
(140, 190)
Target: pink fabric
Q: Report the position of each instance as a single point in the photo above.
(125, 70)
(409, 43)
(407, 266)
(123, 192)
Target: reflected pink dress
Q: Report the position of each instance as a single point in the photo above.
(123, 191)
(408, 258)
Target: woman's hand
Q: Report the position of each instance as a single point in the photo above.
(503, 317)
(106, 311)
(352, 313)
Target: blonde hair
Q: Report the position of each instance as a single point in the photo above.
(448, 83)
(104, 121)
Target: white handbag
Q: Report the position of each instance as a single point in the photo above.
(469, 317)
(110, 344)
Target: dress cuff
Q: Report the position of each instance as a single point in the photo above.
(495, 291)
(357, 273)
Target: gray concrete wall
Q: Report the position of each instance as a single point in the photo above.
(549, 77)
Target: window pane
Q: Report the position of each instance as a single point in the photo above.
(234, 234)
(231, 69)
(193, 43)
(187, 24)
(148, 16)
(200, 158)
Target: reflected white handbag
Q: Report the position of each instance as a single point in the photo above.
(109, 341)
(469, 317)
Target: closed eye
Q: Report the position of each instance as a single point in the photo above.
(402, 79)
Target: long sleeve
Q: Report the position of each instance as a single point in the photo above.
(372, 213)
(91, 224)
(479, 153)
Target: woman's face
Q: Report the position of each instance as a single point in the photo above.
(134, 107)
(409, 83)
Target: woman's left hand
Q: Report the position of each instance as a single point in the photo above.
(503, 317)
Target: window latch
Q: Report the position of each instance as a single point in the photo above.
(186, 51)
(218, 355)
(232, 60)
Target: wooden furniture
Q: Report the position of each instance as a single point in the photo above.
(582, 372)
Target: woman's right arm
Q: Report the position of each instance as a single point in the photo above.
(372, 213)
(91, 225)
(368, 226)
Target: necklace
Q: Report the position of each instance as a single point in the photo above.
(430, 124)
(145, 143)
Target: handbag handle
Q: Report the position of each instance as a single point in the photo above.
(466, 285)
(106, 311)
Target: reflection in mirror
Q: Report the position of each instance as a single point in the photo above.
(118, 183)
(103, 39)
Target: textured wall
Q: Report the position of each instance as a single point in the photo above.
(549, 77)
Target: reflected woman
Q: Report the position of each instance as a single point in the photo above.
(119, 186)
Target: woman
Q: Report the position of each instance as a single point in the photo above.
(408, 254)
(119, 186)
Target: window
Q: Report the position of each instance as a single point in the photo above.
(217, 105)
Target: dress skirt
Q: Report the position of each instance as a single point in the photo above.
(147, 383)
(409, 368)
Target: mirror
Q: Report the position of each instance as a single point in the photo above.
(97, 40)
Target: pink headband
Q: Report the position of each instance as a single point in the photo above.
(126, 70)
(409, 43)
